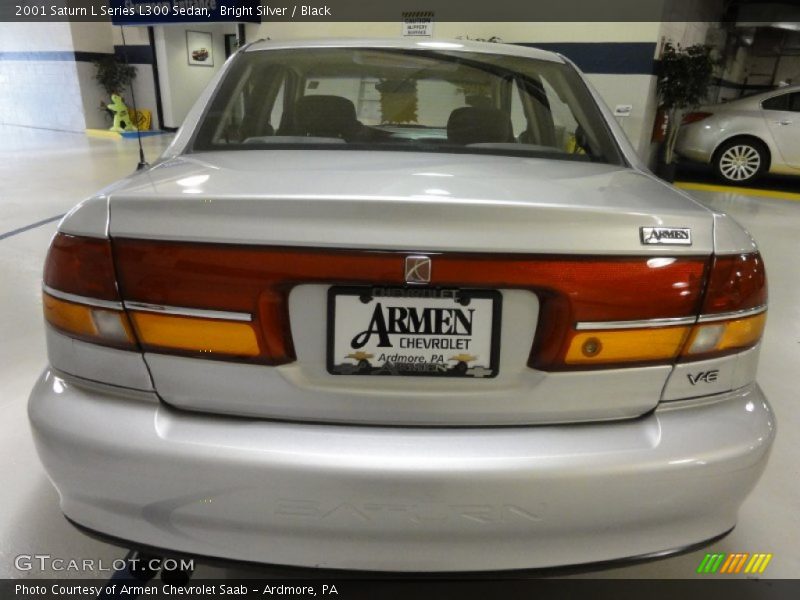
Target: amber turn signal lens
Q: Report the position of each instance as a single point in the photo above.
(196, 335)
(625, 345)
(89, 323)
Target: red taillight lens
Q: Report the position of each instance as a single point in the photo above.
(694, 117)
(737, 282)
(82, 266)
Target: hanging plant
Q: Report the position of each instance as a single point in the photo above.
(398, 100)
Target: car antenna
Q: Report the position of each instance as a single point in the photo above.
(142, 162)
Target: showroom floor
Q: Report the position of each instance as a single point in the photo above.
(43, 174)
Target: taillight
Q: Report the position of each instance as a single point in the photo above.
(734, 309)
(694, 117)
(731, 318)
(80, 295)
(231, 302)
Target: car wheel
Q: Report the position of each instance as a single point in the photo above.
(741, 161)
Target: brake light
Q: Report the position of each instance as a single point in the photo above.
(80, 297)
(694, 117)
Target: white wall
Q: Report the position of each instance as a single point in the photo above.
(34, 92)
(638, 90)
(181, 83)
(62, 94)
(91, 37)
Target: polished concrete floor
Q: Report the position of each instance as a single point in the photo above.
(43, 174)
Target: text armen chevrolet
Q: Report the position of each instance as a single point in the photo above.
(408, 306)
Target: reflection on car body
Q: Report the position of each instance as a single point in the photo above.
(746, 138)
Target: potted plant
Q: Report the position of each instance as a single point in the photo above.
(114, 76)
(683, 81)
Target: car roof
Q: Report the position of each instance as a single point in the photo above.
(760, 96)
(786, 89)
(410, 44)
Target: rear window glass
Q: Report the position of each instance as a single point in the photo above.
(420, 100)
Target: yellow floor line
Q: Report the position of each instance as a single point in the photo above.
(103, 133)
(707, 187)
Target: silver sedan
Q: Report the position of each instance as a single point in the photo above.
(400, 305)
(746, 138)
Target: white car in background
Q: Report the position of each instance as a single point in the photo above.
(746, 138)
(452, 326)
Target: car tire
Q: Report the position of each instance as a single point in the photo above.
(741, 161)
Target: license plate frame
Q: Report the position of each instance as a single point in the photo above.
(452, 298)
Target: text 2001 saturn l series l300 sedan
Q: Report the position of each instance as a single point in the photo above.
(407, 306)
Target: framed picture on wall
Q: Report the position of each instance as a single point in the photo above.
(199, 49)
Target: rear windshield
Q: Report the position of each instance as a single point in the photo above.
(419, 100)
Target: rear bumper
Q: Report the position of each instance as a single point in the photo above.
(695, 144)
(399, 499)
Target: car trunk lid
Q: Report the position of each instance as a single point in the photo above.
(267, 234)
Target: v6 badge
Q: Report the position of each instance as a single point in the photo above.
(703, 376)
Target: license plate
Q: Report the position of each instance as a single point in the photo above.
(413, 331)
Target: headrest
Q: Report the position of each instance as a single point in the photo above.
(470, 125)
(326, 116)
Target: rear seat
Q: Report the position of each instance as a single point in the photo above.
(325, 116)
(470, 125)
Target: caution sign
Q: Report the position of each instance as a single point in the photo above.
(418, 24)
(142, 118)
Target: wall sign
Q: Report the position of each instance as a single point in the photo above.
(418, 24)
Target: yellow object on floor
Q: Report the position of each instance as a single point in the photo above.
(141, 118)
